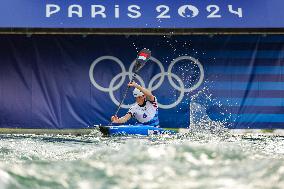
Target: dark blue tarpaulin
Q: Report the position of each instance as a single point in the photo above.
(76, 81)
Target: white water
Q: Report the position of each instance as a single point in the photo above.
(206, 157)
(182, 161)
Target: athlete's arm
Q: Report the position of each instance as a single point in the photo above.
(115, 119)
(146, 92)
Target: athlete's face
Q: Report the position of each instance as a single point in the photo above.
(140, 99)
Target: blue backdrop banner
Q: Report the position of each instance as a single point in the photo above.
(142, 14)
(77, 81)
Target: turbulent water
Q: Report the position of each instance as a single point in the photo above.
(183, 161)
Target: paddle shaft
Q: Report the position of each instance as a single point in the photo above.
(124, 95)
(143, 57)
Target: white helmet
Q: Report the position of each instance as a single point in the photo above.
(137, 93)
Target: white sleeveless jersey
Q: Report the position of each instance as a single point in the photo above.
(147, 114)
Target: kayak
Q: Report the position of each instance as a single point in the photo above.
(133, 130)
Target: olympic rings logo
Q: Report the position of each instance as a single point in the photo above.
(161, 76)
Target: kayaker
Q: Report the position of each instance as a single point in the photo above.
(145, 110)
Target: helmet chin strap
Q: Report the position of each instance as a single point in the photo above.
(144, 103)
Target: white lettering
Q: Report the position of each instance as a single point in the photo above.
(101, 11)
(75, 9)
(134, 9)
(213, 10)
(239, 12)
(163, 10)
(116, 11)
(51, 9)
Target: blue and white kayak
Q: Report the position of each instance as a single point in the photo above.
(133, 130)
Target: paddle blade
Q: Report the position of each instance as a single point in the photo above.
(143, 56)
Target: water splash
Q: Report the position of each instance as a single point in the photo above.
(200, 121)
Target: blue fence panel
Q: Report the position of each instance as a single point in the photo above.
(77, 81)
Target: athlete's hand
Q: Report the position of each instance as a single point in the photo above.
(114, 119)
(132, 84)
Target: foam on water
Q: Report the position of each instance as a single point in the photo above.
(208, 156)
(182, 161)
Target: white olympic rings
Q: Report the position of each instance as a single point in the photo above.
(181, 88)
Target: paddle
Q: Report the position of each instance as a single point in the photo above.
(143, 56)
